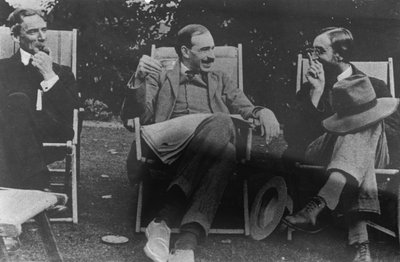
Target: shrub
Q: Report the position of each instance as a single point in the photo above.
(97, 110)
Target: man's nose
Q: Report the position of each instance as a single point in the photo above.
(42, 35)
(211, 54)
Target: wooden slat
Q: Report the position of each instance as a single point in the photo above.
(48, 238)
(378, 171)
(6, 43)
(240, 67)
(299, 72)
(391, 77)
(381, 228)
(221, 231)
(139, 208)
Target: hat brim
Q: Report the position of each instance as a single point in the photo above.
(268, 208)
(350, 124)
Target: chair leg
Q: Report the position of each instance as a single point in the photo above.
(3, 251)
(290, 234)
(74, 185)
(49, 241)
(246, 208)
(139, 207)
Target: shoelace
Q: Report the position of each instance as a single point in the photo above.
(313, 204)
(363, 251)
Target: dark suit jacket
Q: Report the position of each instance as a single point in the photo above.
(58, 102)
(304, 122)
(153, 100)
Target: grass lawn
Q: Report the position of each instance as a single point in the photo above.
(103, 155)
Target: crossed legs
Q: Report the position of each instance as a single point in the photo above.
(202, 174)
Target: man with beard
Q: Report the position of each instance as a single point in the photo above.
(190, 91)
(329, 63)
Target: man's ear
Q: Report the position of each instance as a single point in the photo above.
(185, 51)
(338, 57)
(15, 38)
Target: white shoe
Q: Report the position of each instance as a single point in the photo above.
(157, 246)
(180, 255)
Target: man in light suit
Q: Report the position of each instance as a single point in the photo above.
(206, 163)
(37, 98)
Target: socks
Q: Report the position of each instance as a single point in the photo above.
(332, 189)
(190, 236)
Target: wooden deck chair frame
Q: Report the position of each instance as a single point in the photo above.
(382, 70)
(167, 56)
(63, 46)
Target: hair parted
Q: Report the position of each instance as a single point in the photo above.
(185, 36)
(16, 18)
(342, 41)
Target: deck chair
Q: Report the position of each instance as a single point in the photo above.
(229, 60)
(382, 70)
(19, 206)
(63, 49)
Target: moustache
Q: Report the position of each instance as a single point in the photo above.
(208, 60)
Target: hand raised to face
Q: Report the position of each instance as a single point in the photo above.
(43, 62)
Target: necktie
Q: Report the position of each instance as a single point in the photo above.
(190, 74)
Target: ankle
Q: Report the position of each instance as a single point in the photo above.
(186, 241)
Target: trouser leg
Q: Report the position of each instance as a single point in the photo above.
(23, 141)
(204, 169)
(333, 189)
(358, 232)
(206, 199)
(210, 140)
(6, 178)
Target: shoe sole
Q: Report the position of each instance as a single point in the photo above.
(300, 228)
(152, 255)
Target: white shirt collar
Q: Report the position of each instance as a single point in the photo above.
(183, 69)
(345, 74)
(25, 56)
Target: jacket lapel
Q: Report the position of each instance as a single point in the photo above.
(212, 85)
(173, 78)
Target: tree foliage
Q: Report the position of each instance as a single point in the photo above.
(113, 34)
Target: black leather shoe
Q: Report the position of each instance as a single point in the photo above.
(306, 219)
(362, 253)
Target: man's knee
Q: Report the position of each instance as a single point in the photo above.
(222, 125)
(18, 99)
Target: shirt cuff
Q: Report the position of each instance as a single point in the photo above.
(48, 84)
(255, 110)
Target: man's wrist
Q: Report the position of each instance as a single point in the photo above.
(47, 84)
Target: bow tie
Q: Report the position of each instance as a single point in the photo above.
(190, 74)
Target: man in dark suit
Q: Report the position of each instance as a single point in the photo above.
(207, 161)
(37, 102)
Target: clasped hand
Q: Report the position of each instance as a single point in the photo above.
(44, 63)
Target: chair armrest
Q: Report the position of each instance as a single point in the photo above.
(378, 171)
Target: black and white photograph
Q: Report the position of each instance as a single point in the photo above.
(199, 130)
